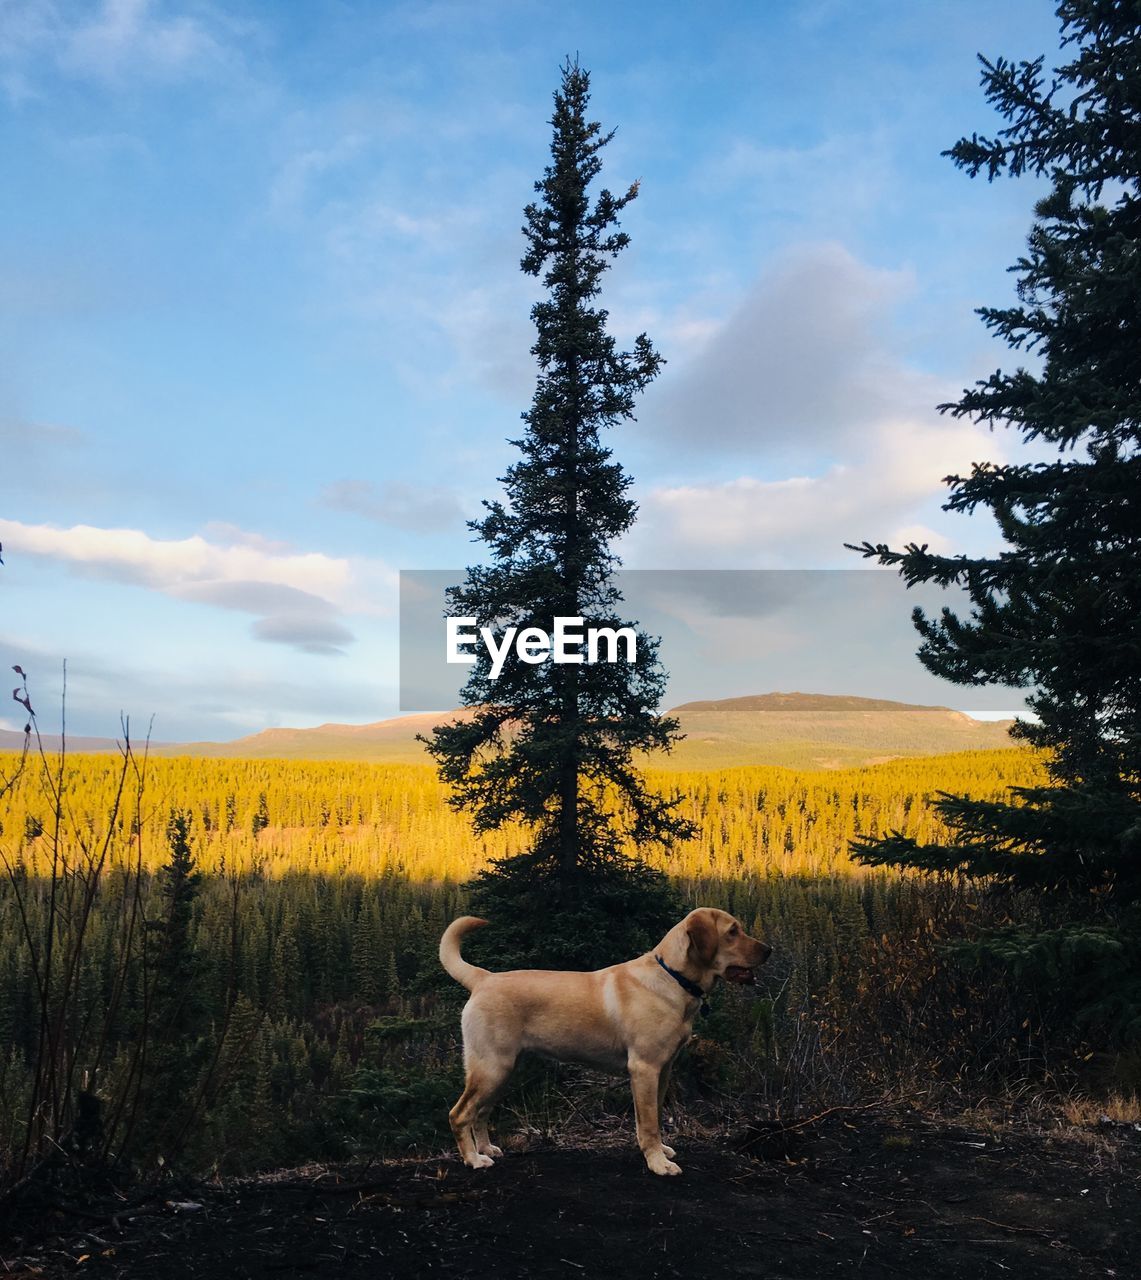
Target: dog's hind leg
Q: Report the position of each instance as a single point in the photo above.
(469, 1116)
(460, 1117)
(483, 1143)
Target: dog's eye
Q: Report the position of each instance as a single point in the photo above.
(734, 931)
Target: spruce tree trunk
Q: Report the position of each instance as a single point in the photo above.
(568, 783)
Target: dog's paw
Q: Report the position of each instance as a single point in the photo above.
(661, 1164)
(480, 1161)
(670, 1152)
(491, 1150)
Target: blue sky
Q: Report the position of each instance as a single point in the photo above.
(264, 335)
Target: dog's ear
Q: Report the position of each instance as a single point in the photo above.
(703, 939)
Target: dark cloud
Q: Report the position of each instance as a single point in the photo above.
(804, 361)
(253, 597)
(310, 634)
(291, 616)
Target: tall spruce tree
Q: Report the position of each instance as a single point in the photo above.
(1058, 611)
(176, 1006)
(552, 745)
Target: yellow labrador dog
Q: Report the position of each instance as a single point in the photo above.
(633, 1016)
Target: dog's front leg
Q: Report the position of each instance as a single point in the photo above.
(663, 1085)
(644, 1078)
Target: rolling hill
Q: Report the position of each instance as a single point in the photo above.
(799, 730)
(383, 741)
(822, 731)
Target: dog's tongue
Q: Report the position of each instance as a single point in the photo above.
(738, 973)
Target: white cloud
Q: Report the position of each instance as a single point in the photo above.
(824, 187)
(298, 596)
(884, 493)
(132, 35)
(299, 172)
(233, 535)
(116, 42)
(168, 564)
(834, 436)
(365, 233)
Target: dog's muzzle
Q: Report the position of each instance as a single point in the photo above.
(739, 974)
(745, 974)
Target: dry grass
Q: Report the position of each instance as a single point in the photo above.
(1089, 1128)
(1121, 1108)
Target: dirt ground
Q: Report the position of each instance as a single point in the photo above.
(887, 1195)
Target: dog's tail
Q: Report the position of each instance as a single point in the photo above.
(469, 975)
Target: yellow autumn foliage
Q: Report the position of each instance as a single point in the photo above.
(334, 818)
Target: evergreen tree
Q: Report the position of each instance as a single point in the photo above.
(176, 1006)
(392, 982)
(366, 955)
(261, 816)
(553, 744)
(1058, 611)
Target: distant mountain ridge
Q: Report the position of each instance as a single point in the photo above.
(798, 730)
(824, 731)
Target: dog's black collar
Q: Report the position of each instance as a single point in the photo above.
(686, 984)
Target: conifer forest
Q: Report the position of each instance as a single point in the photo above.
(243, 969)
